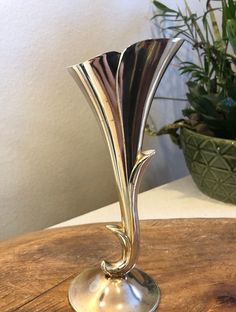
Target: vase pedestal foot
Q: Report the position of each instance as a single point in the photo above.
(92, 291)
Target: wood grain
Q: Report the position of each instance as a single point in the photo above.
(193, 260)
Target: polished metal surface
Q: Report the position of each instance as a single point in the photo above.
(120, 88)
(92, 291)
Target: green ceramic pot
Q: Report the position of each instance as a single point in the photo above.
(212, 164)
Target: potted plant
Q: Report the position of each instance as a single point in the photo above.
(207, 131)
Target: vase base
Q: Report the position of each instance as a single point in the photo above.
(91, 291)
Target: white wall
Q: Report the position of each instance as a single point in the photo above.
(54, 163)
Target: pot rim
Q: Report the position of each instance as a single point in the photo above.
(220, 140)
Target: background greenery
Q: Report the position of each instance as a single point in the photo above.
(212, 78)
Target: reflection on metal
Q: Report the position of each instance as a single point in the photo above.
(95, 293)
(120, 88)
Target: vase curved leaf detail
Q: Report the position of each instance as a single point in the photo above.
(120, 88)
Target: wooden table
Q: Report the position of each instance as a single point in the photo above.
(193, 260)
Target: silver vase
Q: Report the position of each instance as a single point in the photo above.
(120, 88)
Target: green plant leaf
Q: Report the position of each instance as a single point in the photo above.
(160, 6)
(231, 32)
(194, 21)
(214, 23)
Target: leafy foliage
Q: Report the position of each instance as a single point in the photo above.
(212, 79)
